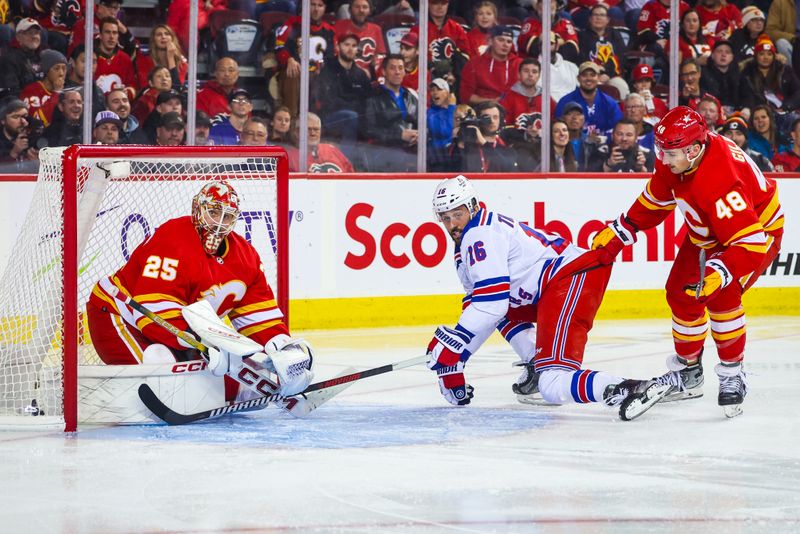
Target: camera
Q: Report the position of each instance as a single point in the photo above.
(35, 133)
(476, 121)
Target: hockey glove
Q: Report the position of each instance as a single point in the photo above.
(447, 347)
(613, 238)
(291, 359)
(454, 388)
(221, 362)
(715, 277)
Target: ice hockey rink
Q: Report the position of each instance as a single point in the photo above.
(389, 455)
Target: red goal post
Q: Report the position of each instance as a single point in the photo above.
(92, 206)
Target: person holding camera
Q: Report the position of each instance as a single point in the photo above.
(14, 143)
(622, 154)
(480, 146)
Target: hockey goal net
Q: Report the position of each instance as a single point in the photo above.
(91, 207)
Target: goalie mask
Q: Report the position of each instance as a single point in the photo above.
(215, 210)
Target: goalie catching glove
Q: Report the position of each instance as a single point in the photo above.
(613, 238)
(446, 356)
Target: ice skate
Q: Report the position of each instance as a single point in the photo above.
(732, 388)
(691, 379)
(634, 397)
(527, 386)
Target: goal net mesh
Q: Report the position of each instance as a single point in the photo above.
(111, 224)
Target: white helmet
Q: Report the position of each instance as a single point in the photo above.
(454, 192)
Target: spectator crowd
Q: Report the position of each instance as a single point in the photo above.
(609, 75)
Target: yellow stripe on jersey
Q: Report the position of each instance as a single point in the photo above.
(770, 209)
(155, 297)
(99, 293)
(144, 321)
(758, 249)
(654, 207)
(258, 306)
(250, 330)
(752, 229)
(116, 281)
(124, 333)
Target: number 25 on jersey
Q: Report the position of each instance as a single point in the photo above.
(164, 268)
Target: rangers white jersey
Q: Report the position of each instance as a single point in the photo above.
(505, 263)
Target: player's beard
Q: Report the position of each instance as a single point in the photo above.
(456, 234)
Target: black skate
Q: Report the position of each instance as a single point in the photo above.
(527, 386)
(732, 388)
(691, 379)
(634, 397)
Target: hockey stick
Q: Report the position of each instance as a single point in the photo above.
(171, 417)
(699, 289)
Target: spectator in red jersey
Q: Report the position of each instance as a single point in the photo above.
(171, 130)
(643, 82)
(212, 99)
(75, 69)
(487, 77)
(167, 102)
(744, 39)
(114, 66)
(322, 157)
(484, 20)
(281, 127)
(178, 17)
(409, 50)
(719, 17)
(604, 45)
(104, 9)
(768, 81)
(165, 51)
(763, 135)
(42, 97)
(287, 52)
(789, 160)
(693, 42)
(523, 100)
(20, 64)
(131, 133)
(227, 130)
(565, 32)
(721, 76)
(371, 45)
(653, 27)
(690, 76)
(254, 132)
(107, 128)
(160, 81)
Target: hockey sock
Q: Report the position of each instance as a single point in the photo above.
(561, 387)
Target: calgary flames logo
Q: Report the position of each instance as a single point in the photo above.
(324, 167)
(366, 49)
(442, 49)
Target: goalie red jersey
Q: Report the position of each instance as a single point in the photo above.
(171, 270)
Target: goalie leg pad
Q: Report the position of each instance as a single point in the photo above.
(157, 353)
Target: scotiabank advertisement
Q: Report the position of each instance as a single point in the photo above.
(372, 237)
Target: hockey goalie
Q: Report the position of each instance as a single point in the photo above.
(188, 260)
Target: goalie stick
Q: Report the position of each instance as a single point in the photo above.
(312, 394)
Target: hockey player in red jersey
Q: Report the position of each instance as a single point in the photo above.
(732, 213)
(189, 259)
(514, 275)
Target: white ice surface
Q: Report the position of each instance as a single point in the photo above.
(389, 455)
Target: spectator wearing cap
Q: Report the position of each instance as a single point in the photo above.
(159, 81)
(409, 50)
(602, 112)
(735, 129)
(642, 81)
(391, 121)
(287, 52)
(692, 40)
(342, 90)
(114, 66)
(523, 100)
(213, 99)
(322, 157)
(782, 26)
(371, 44)
(202, 130)
(107, 128)
(604, 45)
(690, 76)
(166, 102)
(41, 96)
(719, 17)
(789, 159)
(483, 20)
(130, 133)
(486, 77)
(104, 9)
(440, 116)
(281, 127)
(768, 81)
(171, 130)
(721, 75)
(20, 65)
(227, 130)
(14, 146)
(67, 126)
(75, 69)
(743, 40)
(528, 41)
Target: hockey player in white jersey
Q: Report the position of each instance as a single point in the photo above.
(514, 275)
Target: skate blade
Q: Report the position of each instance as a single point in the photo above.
(732, 410)
(689, 394)
(534, 400)
(634, 406)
